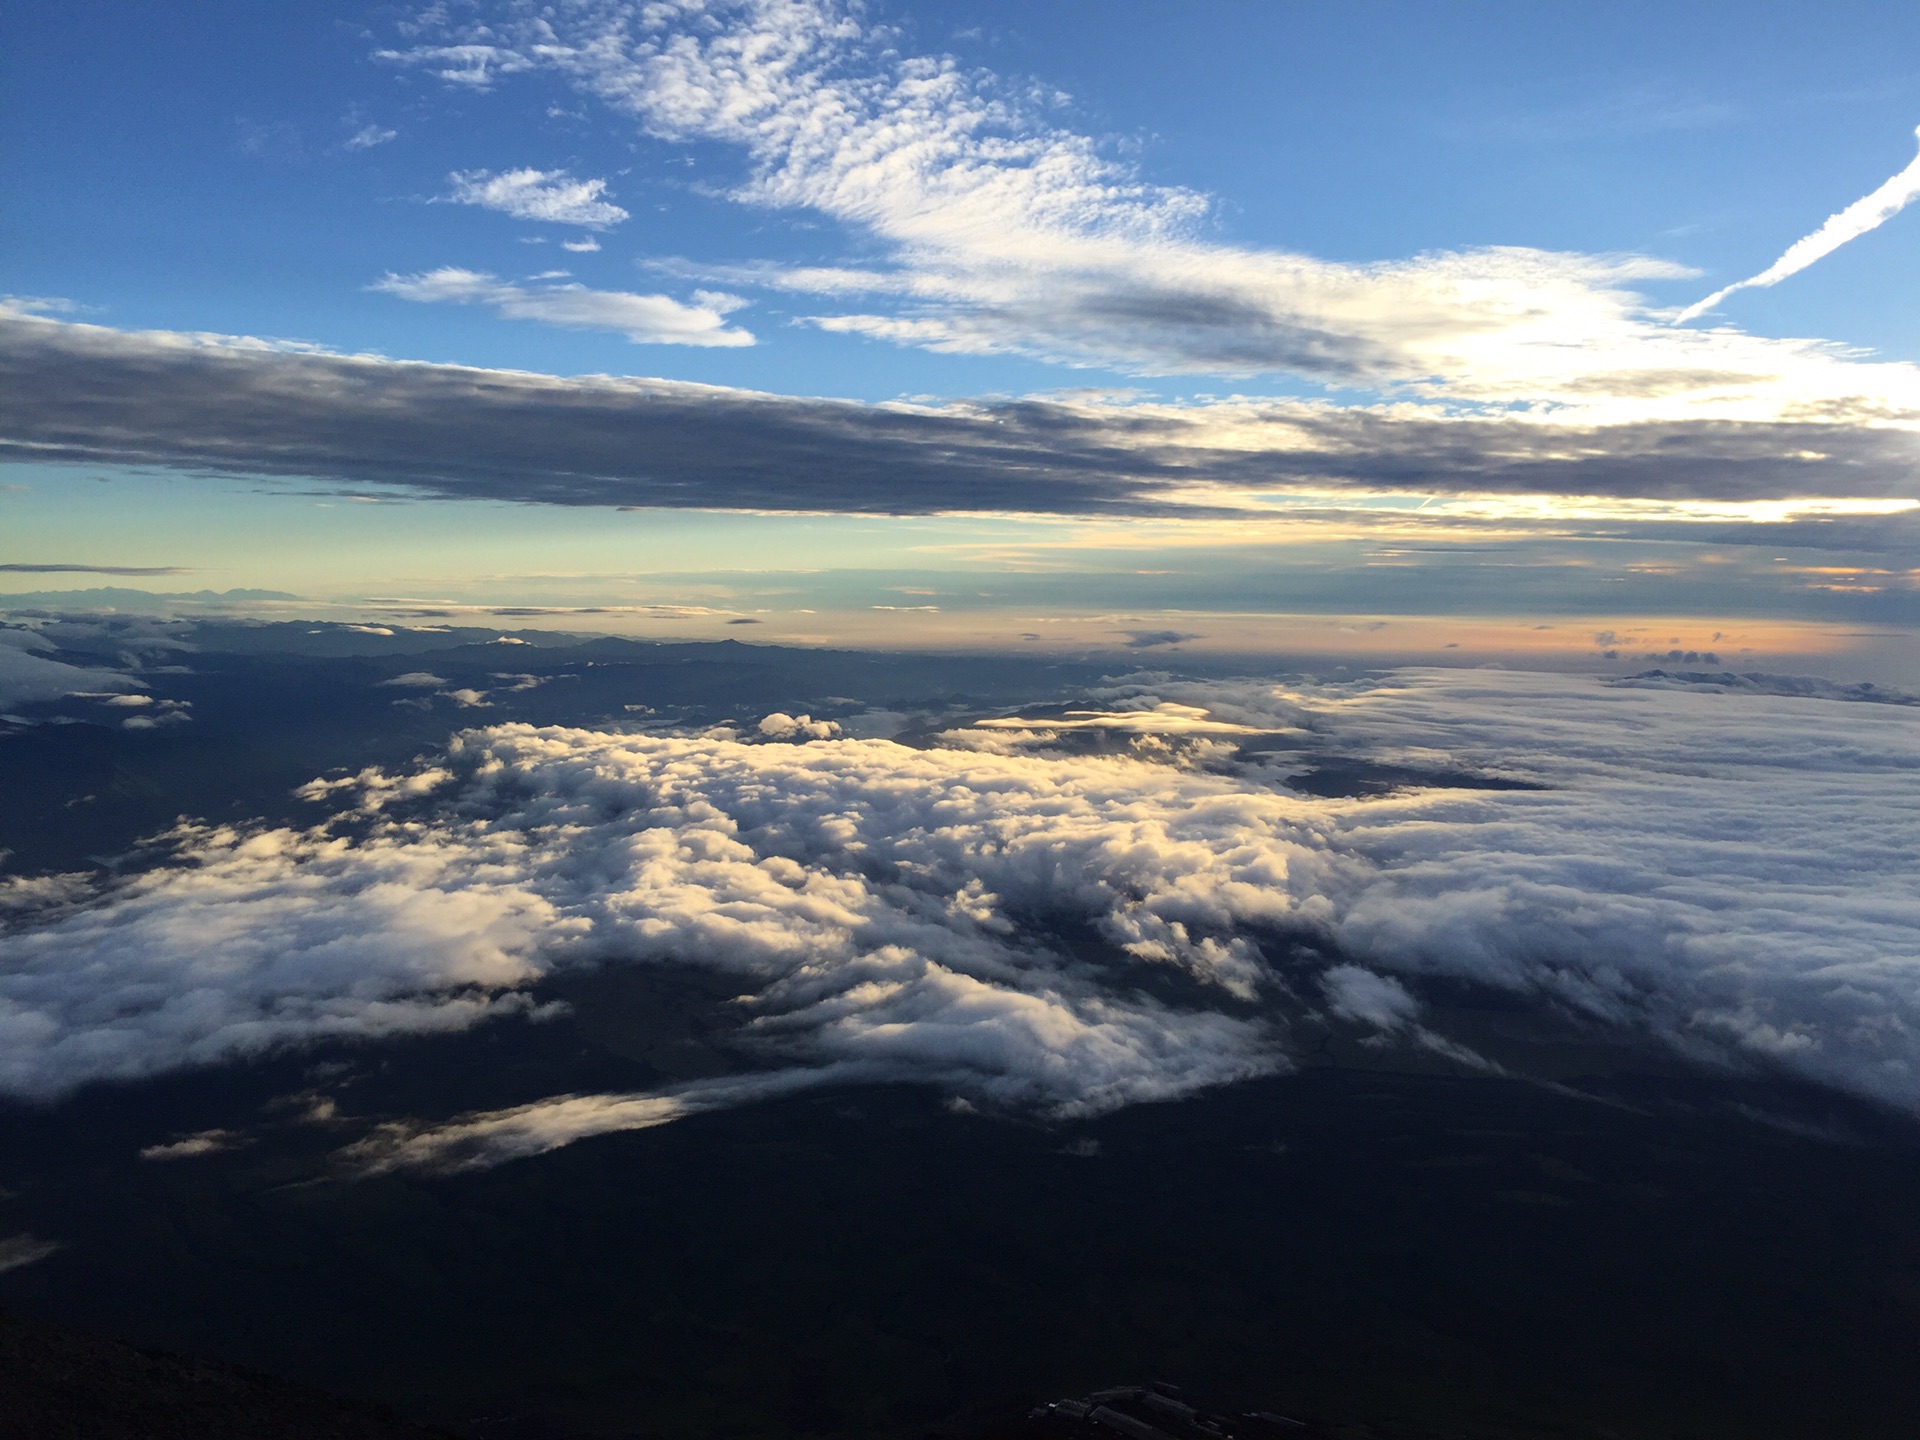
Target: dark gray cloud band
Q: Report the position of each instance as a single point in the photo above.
(86, 393)
(53, 569)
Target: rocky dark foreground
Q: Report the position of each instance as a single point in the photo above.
(60, 1384)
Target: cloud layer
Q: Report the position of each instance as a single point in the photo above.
(1003, 232)
(1043, 921)
(29, 672)
(83, 392)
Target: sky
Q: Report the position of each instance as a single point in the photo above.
(1528, 395)
(1374, 328)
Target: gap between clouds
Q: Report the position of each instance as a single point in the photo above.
(1729, 872)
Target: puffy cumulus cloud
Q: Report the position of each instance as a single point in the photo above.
(552, 196)
(1357, 994)
(643, 319)
(152, 715)
(873, 899)
(200, 402)
(374, 789)
(1007, 233)
(27, 893)
(1146, 728)
(260, 940)
(782, 726)
(1052, 927)
(1377, 1000)
(168, 713)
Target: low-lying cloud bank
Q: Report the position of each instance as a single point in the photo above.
(29, 672)
(1029, 918)
(71, 392)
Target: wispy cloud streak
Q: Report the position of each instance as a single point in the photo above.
(999, 231)
(1868, 213)
(552, 196)
(63, 569)
(643, 319)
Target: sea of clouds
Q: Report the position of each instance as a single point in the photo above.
(1063, 913)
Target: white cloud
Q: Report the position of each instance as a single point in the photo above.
(1727, 871)
(24, 1249)
(40, 304)
(191, 1147)
(266, 940)
(375, 789)
(1378, 1000)
(26, 675)
(1007, 233)
(585, 245)
(368, 136)
(1154, 717)
(749, 857)
(492, 1137)
(781, 726)
(550, 196)
(643, 319)
(474, 66)
(1867, 213)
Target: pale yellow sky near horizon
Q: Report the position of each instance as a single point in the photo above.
(1384, 579)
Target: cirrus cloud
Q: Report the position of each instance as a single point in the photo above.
(643, 319)
(1003, 232)
(551, 196)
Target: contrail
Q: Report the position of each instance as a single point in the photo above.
(1856, 220)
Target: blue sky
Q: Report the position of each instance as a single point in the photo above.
(1414, 215)
(195, 169)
